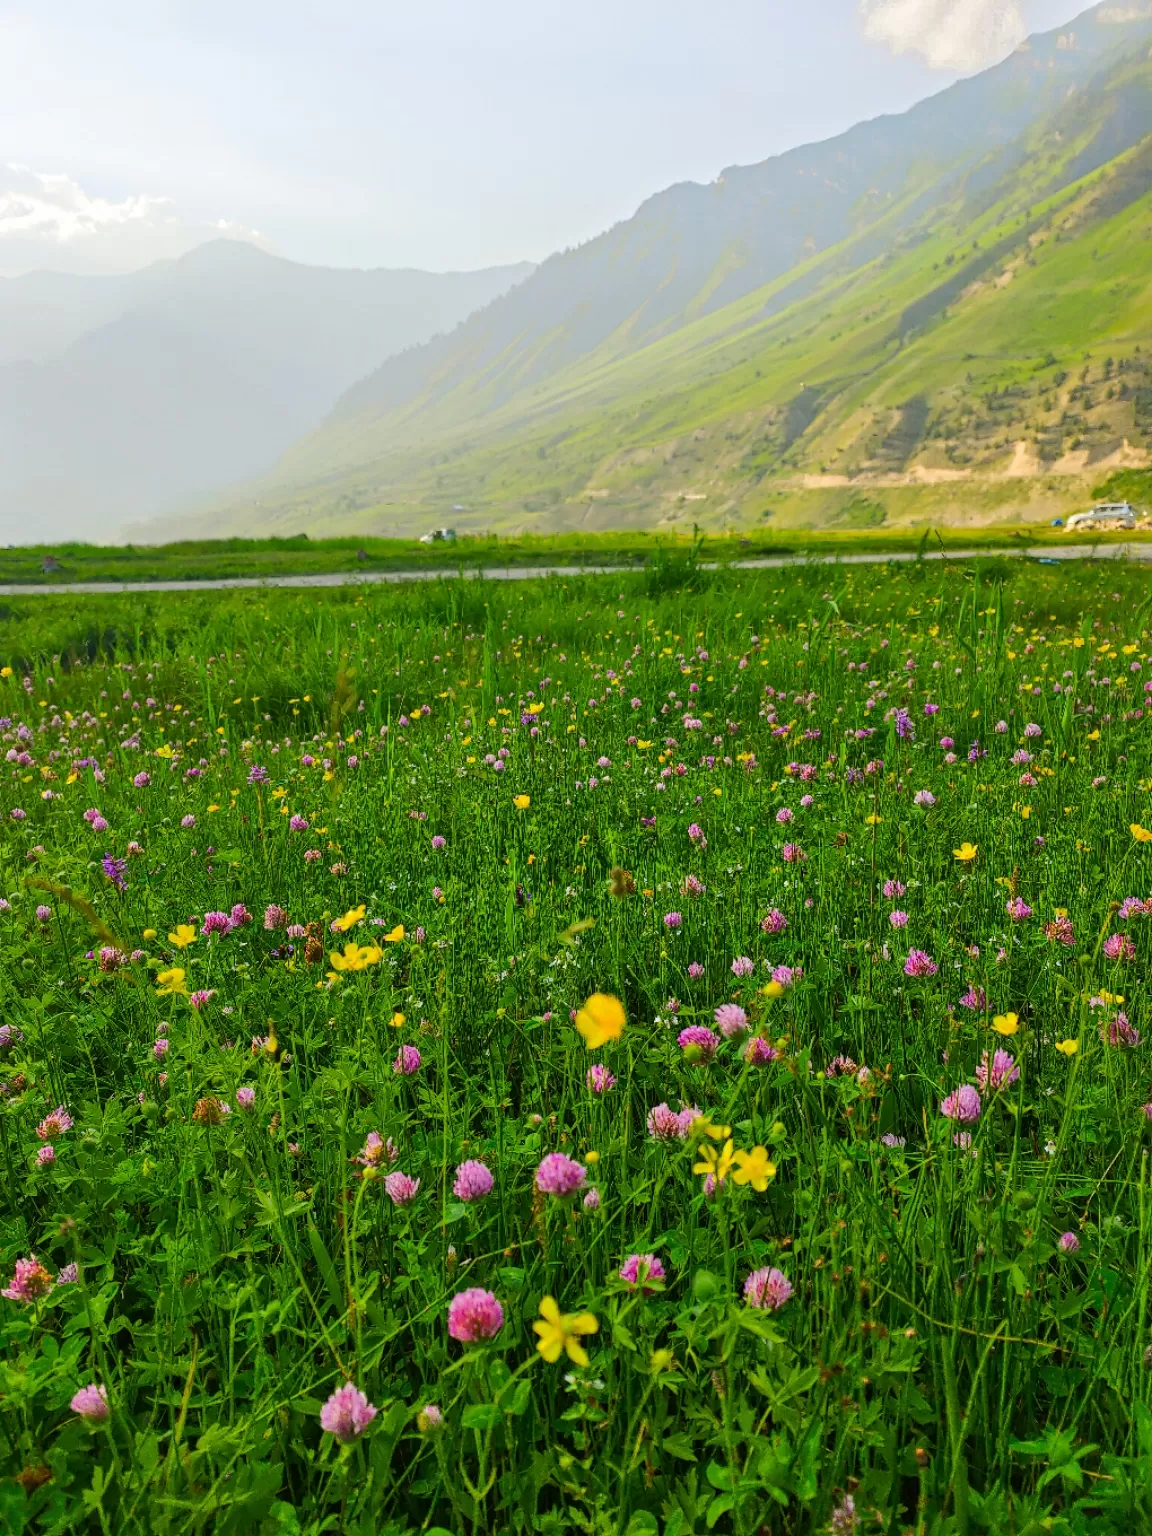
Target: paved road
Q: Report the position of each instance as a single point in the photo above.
(1142, 552)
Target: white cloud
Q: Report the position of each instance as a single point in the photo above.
(956, 35)
(49, 221)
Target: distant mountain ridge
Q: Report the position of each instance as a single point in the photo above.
(790, 303)
(125, 397)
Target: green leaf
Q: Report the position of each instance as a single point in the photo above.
(678, 1445)
(481, 1416)
(643, 1524)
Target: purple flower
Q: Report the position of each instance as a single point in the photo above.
(898, 919)
(731, 1020)
(401, 1188)
(1018, 909)
(742, 966)
(347, 1413)
(473, 1315)
(216, 922)
(68, 1275)
(439, 842)
(591, 1200)
(759, 1052)
(91, 1403)
(239, 917)
(560, 1175)
(599, 1079)
(962, 1104)
(473, 1181)
(259, 775)
(787, 975)
(767, 1289)
(188, 822)
(665, 1124)
(142, 780)
(46, 1155)
(696, 836)
(672, 920)
(275, 918)
(640, 1267)
(698, 1042)
(775, 922)
(975, 999)
(792, 853)
(114, 869)
(407, 1061)
(246, 1096)
(842, 1521)
(201, 998)
(784, 816)
(1118, 946)
(924, 798)
(695, 971)
(43, 914)
(1068, 1242)
(919, 963)
(54, 1124)
(30, 1281)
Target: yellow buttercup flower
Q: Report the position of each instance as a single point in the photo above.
(755, 1168)
(171, 983)
(1068, 1047)
(185, 934)
(521, 802)
(718, 1164)
(966, 852)
(350, 919)
(1141, 834)
(394, 935)
(873, 820)
(356, 957)
(773, 989)
(397, 1021)
(601, 1019)
(560, 1332)
(1005, 1023)
(149, 933)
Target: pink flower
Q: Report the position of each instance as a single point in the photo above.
(91, 1403)
(68, 1275)
(1018, 909)
(275, 918)
(239, 917)
(1061, 931)
(1001, 1072)
(767, 1289)
(160, 1049)
(784, 816)
(401, 1188)
(894, 889)
(758, 1052)
(639, 1267)
(787, 975)
(1068, 1242)
(297, 824)
(665, 1124)
(474, 1315)
(599, 1079)
(792, 853)
(46, 1155)
(142, 780)
(731, 1020)
(742, 966)
(202, 998)
(473, 1181)
(841, 1066)
(962, 1104)
(672, 920)
(691, 886)
(30, 1281)
(699, 1042)
(216, 922)
(376, 1151)
(246, 1096)
(560, 1175)
(439, 842)
(696, 836)
(975, 998)
(898, 919)
(55, 1124)
(695, 971)
(592, 1200)
(407, 1060)
(347, 1414)
(1118, 946)
(919, 963)
(775, 922)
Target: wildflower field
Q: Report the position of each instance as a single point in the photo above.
(643, 1056)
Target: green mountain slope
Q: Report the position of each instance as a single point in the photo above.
(973, 351)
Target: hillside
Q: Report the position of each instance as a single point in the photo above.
(862, 381)
(129, 396)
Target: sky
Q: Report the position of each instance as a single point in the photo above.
(435, 133)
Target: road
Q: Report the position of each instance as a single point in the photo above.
(1061, 552)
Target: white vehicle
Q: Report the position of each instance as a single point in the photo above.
(439, 536)
(1111, 514)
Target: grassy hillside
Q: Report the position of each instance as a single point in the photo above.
(984, 360)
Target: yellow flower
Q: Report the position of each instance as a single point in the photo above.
(601, 1019)
(165, 751)
(559, 1332)
(171, 983)
(754, 1168)
(1068, 1047)
(350, 919)
(965, 853)
(149, 933)
(661, 1360)
(397, 1021)
(773, 989)
(521, 802)
(394, 935)
(873, 820)
(5, 671)
(592, 1158)
(718, 1164)
(356, 957)
(185, 934)
(1005, 1023)
(1141, 834)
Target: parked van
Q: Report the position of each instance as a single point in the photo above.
(1107, 515)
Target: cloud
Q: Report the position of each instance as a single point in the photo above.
(49, 221)
(956, 35)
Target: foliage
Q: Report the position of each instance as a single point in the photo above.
(489, 804)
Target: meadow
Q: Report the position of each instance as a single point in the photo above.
(642, 1055)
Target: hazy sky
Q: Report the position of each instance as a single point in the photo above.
(436, 133)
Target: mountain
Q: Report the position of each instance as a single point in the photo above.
(127, 397)
(768, 297)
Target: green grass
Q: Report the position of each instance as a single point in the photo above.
(940, 1362)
